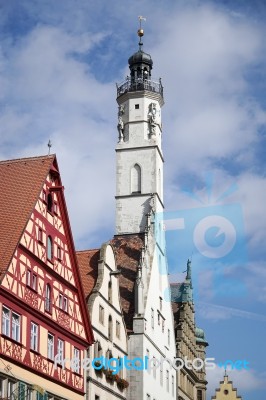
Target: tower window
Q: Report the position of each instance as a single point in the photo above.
(136, 106)
(136, 179)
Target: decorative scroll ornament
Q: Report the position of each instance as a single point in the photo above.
(152, 119)
(120, 125)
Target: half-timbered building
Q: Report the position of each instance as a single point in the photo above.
(44, 318)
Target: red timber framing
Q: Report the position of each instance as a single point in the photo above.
(40, 290)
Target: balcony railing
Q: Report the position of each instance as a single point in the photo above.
(138, 84)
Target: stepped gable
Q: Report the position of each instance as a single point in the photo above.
(88, 266)
(21, 183)
(127, 249)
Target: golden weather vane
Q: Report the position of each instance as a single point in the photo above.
(140, 30)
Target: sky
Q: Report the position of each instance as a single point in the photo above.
(59, 65)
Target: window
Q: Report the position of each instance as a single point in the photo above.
(173, 386)
(159, 318)
(50, 203)
(110, 328)
(167, 381)
(97, 397)
(44, 196)
(48, 303)
(15, 326)
(11, 322)
(6, 321)
(152, 318)
(24, 392)
(34, 336)
(49, 248)
(148, 355)
(161, 303)
(60, 351)
(40, 235)
(32, 280)
(136, 179)
(55, 208)
(101, 314)
(199, 394)
(154, 367)
(136, 106)
(97, 350)
(110, 292)
(168, 336)
(117, 329)
(161, 374)
(77, 360)
(50, 346)
(11, 385)
(59, 253)
(63, 302)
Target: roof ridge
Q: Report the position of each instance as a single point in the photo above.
(27, 158)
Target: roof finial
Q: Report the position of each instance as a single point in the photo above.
(49, 144)
(225, 373)
(140, 31)
(188, 269)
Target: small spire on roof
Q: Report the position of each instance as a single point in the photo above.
(49, 144)
(140, 31)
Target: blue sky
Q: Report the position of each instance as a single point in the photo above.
(59, 62)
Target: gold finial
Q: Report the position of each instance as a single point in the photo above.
(141, 31)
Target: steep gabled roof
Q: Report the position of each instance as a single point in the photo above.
(21, 182)
(88, 266)
(127, 250)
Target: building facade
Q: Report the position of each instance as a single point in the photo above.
(226, 391)
(101, 286)
(138, 241)
(44, 319)
(190, 341)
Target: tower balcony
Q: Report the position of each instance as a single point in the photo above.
(139, 84)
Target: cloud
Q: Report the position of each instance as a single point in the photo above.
(217, 312)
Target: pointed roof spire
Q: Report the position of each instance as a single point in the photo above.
(188, 269)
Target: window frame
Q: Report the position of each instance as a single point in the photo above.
(34, 337)
(50, 347)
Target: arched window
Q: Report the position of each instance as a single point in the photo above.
(136, 179)
(48, 302)
(110, 291)
(97, 350)
(49, 248)
(50, 203)
(110, 328)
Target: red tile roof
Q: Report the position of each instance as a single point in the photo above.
(88, 266)
(21, 182)
(127, 250)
